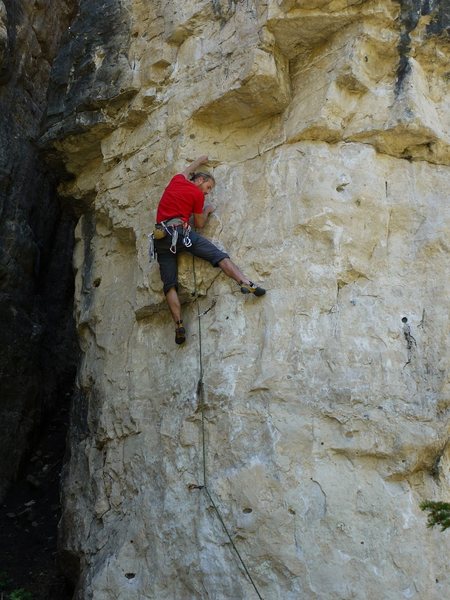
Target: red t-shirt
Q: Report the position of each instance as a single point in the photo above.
(181, 198)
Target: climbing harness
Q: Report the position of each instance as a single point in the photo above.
(201, 399)
(170, 228)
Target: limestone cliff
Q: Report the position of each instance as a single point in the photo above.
(326, 402)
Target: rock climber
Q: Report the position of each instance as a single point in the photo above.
(183, 202)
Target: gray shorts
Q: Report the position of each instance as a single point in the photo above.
(201, 247)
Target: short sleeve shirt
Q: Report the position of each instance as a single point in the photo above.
(181, 198)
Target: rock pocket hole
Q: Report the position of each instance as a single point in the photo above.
(247, 510)
(130, 575)
(404, 320)
(97, 282)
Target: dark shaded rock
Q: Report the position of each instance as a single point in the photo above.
(38, 349)
(410, 13)
(440, 23)
(91, 71)
(31, 511)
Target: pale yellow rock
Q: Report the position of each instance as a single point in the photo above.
(326, 401)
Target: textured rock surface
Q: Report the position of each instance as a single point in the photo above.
(327, 401)
(37, 342)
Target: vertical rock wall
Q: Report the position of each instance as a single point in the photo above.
(327, 401)
(37, 343)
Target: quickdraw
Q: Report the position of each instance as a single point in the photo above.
(173, 245)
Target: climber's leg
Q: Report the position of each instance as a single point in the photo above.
(168, 269)
(205, 249)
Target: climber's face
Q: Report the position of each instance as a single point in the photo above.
(206, 185)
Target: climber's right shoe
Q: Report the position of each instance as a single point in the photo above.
(180, 333)
(251, 288)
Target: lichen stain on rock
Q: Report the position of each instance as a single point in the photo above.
(440, 21)
(436, 15)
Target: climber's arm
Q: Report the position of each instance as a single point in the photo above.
(201, 218)
(201, 160)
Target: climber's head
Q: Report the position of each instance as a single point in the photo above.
(204, 181)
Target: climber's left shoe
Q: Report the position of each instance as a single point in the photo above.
(251, 288)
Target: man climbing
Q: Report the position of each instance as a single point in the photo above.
(183, 199)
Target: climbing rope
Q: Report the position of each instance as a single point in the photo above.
(201, 398)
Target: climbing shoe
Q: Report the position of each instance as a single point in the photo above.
(180, 333)
(251, 288)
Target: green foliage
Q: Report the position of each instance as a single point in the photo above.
(438, 513)
(5, 580)
(20, 594)
(6, 583)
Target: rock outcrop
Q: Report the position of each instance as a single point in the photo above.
(326, 402)
(38, 348)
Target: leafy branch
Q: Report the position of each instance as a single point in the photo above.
(438, 513)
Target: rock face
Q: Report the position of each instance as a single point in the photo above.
(37, 342)
(326, 403)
